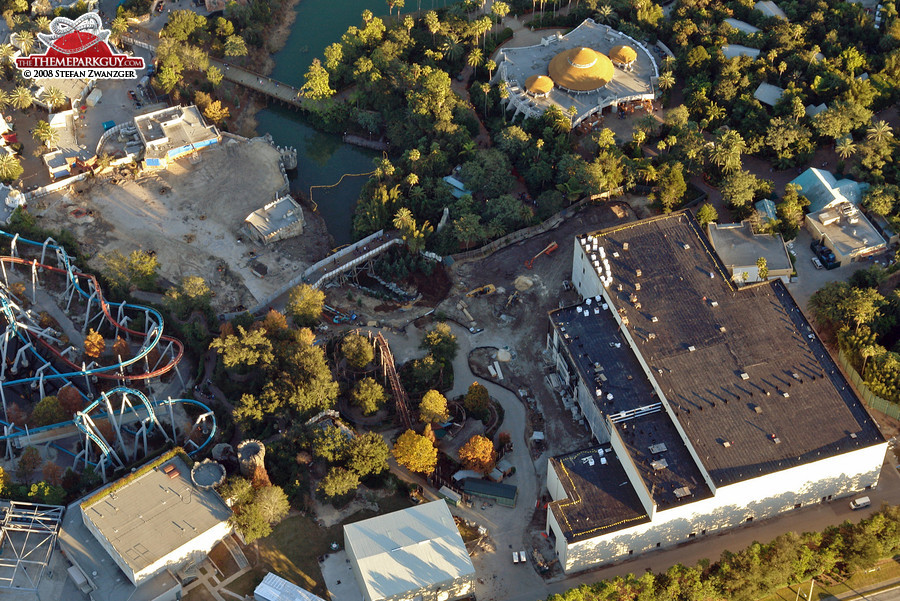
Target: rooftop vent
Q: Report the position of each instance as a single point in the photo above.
(726, 444)
(745, 375)
(692, 348)
(624, 246)
(714, 303)
(686, 246)
(169, 468)
(853, 435)
(785, 394)
(637, 286)
(654, 319)
(775, 439)
(722, 329)
(757, 408)
(684, 491)
(616, 254)
(711, 275)
(173, 474)
(638, 273)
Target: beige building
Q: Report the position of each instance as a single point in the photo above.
(846, 231)
(740, 249)
(415, 554)
(280, 219)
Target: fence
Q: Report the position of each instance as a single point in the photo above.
(529, 232)
(57, 185)
(872, 400)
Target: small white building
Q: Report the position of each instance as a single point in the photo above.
(412, 554)
(276, 588)
(280, 219)
(173, 132)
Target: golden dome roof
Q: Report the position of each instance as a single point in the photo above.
(623, 54)
(539, 84)
(581, 69)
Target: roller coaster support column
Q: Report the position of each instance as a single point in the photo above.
(111, 416)
(47, 243)
(13, 251)
(20, 357)
(7, 430)
(3, 349)
(39, 383)
(34, 271)
(87, 311)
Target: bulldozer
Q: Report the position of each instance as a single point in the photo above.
(485, 290)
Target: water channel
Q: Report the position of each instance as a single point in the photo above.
(323, 158)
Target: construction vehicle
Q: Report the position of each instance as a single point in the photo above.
(512, 297)
(547, 250)
(485, 290)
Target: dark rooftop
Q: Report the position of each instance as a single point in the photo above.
(739, 368)
(605, 361)
(600, 497)
(479, 486)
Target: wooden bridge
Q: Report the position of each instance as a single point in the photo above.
(262, 84)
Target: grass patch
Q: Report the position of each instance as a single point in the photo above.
(885, 570)
(292, 550)
(199, 593)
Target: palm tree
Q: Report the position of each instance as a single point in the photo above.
(499, 10)
(452, 47)
(503, 91)
(25, 41)
(10, 168)
(606, 14)
(666, 80)
(879, 131)
(6, 53)
(42, 23)
(118, 26)
(42, 131)
(4, 99)
(412, 179)
(21, 98)
(54, 98)
(728, 147)
(490, 66)
(432, 22)
(476, 59)
(845, 147)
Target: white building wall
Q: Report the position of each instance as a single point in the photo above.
(200, 544)
(757, 498)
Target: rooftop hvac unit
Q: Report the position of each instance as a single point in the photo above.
(625, 246)
(637, 286)
(757, 408)
(616, 254)
(654, 319)
(638, 273)
(853, 435)
(686, 246)
(745, 375)
(726, 444)
(711, 275)
(722, 329)
(785, 394)
(692, 348)
(714, 304)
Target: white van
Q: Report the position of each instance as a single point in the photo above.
(860, 503)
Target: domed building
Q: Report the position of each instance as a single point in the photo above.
(581, 69)
(539, 85)
(623, 56)
(590, 69)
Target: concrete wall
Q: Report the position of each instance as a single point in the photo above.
(755, 499)
(753, 274)
(177, 558)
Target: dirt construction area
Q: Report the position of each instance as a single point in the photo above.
(518, 312)
(191, 215)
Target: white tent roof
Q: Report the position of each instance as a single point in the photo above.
(733, 50)
(276, 588)
(768, 94)
(770, 9)
(408, 550)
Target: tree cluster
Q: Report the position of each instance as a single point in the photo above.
(256, 508)
(762, 568)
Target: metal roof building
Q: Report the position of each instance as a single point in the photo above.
(739, 248)
(414, 553)
(276, 588)
(173, 132)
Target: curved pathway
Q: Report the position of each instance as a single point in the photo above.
(508, 527)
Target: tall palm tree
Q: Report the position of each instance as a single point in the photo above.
(606, 14)
(476, 59)
(54, 98)
(21, 98)
(118, 26)
(666, 80)
(485, 91)
(452, 47)
(490, 65)
(845, 147)
(42, 23)
(728, 147)
(879, 131)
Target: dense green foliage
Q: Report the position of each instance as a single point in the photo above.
(255, 509)
(762, 568)
(864, 320)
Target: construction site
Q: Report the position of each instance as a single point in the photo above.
(192, 216)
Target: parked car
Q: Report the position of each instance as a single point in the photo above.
(817, 263)
(860, 503)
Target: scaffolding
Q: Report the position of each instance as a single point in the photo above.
(28, 534)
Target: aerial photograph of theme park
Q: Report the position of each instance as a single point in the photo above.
(439, 300)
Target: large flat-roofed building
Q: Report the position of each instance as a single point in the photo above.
(416, 553)
(150, 527)
(711, 406)
(173, 132)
